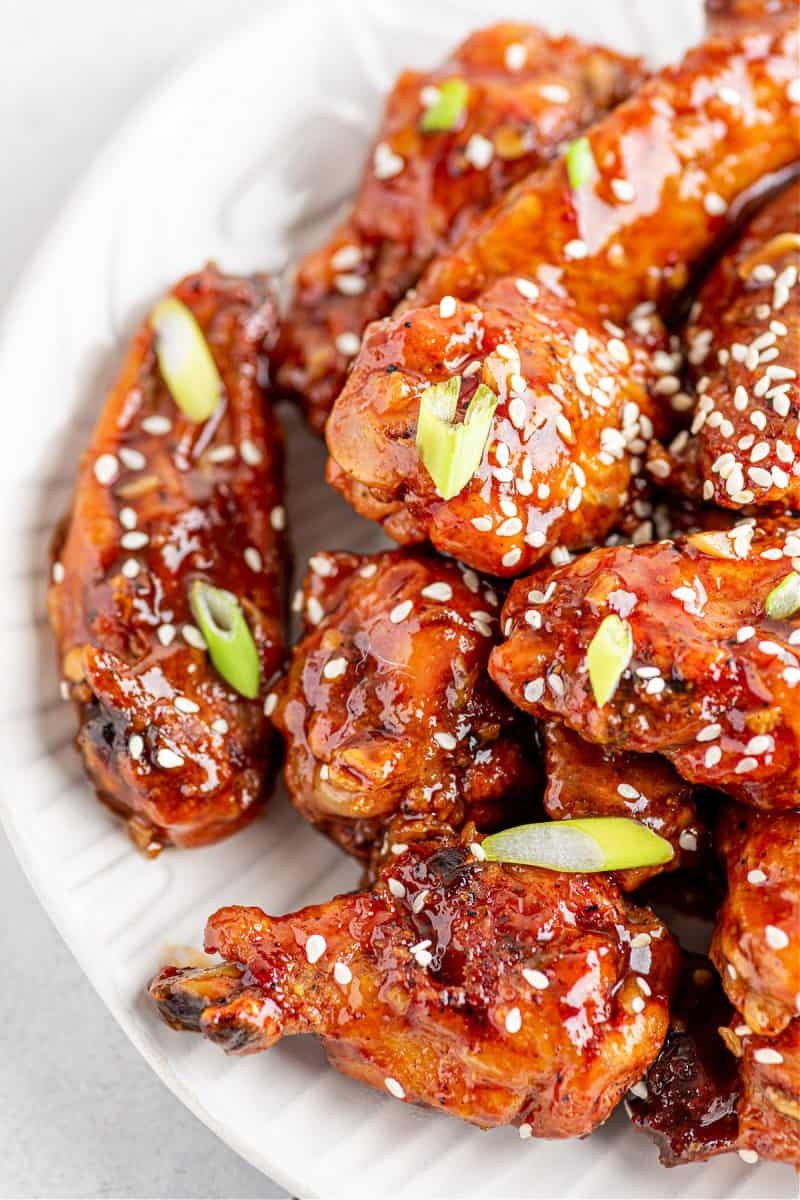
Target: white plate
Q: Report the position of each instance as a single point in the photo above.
(244, 157)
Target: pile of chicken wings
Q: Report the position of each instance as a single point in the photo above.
(612, 256)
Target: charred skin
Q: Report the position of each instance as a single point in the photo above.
(712, 681)
(629, 236)
(710, 1091)
(423, 993)
(584, 780)
(743, 349)
(756, 945)
(578, 404)
(518, 116)
(391, 724)
(161, 502)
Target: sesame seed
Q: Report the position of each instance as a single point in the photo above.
(748, 1156)
(445, 740)
(345, 257)
(349, 284)
(714, 204)
(314, 610)
(756, 876)
(793, 90)
(134, 460)
(479, 151)
(712, 756)
(334, 668)
(623, 189)
(438, 591)
(639, 1090)
(709, 732)
(136, 746)
(135, 539)
(166, 634)
(277, 518)
(513, 1020)
(348, 344)
(512, 557)
(220, 725)
(516, 56)
(385, 163)
(517, 412)
(525, 1131)
(221, 454)
(509, 528)
(396, 1089)
(418, 903)
(396, 888)
(156, 424)
(250, 454)
(688, 841)
(193, 637)
(342, 973)
(185, 705)
(777, 939)
(130, 568)
(106, 469)
(168, 759)
(127, 518)
(534, 690)
(554, 92)
(315, 947)
(477, 851)
(270, 704)
(527, 289)
(537, 979)
(576, 248)
(58, 572)
(637, 1004)
(400, 611)
(768, 1056)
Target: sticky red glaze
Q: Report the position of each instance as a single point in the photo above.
(409, 734)
(199, 516)
(569, 433)
(584, 780)
(756, 944)
(730, 16)
(704, 676)
(676, 141)
(525, 114)
(446, 1031)
(743, 347)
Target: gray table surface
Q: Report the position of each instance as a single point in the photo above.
(81, 1114)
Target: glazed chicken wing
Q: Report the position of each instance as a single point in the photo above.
(729, 16)
(161, 502)
(584, 780)
(581, 246)
(503, 103)
(756, 944)
(391, 722)
(700, 673)
(717, 1087)
(502, 995)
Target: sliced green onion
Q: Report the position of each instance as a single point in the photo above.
(784, 599)
(447, 109)
(184, 359)
(580, 163)
(228, 637)
(607, 656)
(452, 452)
(583, 844)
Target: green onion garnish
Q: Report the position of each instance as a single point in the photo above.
(580, 162)
(184, 359)
(583, 844)
(784, 599)
(452, 452)
(607, 656)
(447, 109)
(228, 637)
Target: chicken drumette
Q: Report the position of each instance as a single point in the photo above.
(451, 142)
(592, 241)
(163, 501)
(743, 349)
(392, 724)
(703, 674)
(756, 944)
(502, 995)
(717, 1087)
(584, 780)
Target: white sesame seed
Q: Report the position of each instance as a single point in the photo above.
(130, 568)
(220, 725)
(639, 1090)
(554, 92)
(627, 791)
(445, 740)
(712, 756)
(777, 939)
(537, 979)
(714, 204)
(576, 248)
(396, 1089)
(400, 611)
(756, 876)
(688, 840)
(350, 284)
(58, 572)
(385, 163)
(156, 424)
(342, 973)
(250, 453)
(396, 888)
(185, 705)
(623, 189)
(106, 469)
(748, 1156)
(346, 256)
(516, 56)
(418, 903)
(438, 591)
(527, 288)
(168, 759)
(534, 690)
(134, 460)
(447, 306)
(637, 1004)
(477, 851)
(334, 668)
(270, 704)
(136, 746)
(768, 1056)
(525, 1131)
(166, 634)
(135, 539)
(348, 344)
(193, 637)
(512, 557)
(127, 518)
(513, 1020)
(277, 518)
(709, 732)
(479, 151)
(315, 947)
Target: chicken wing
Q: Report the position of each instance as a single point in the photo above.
(502, 995)
(586, 241)
(584, 780)
(574, 417)
(163, 501)
(756, 945)
(729, 16)
(392, 725)
(717, 1087)
(743, 347)
(701, 674)
(517, 97)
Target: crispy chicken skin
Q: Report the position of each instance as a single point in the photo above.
(162, 501)
(528, 95)
(743, 350)
(729, 16)
(666, 165)
(686, 153)
(574, 416)
(716, 1086)
(391, 722)
(500, 994)
(584, 780)
(756, 945)
(711, 681)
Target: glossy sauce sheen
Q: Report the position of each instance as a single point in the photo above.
(718, 693)
(463, 1030)
(529, 94)
(161, 502)
(392, 725)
